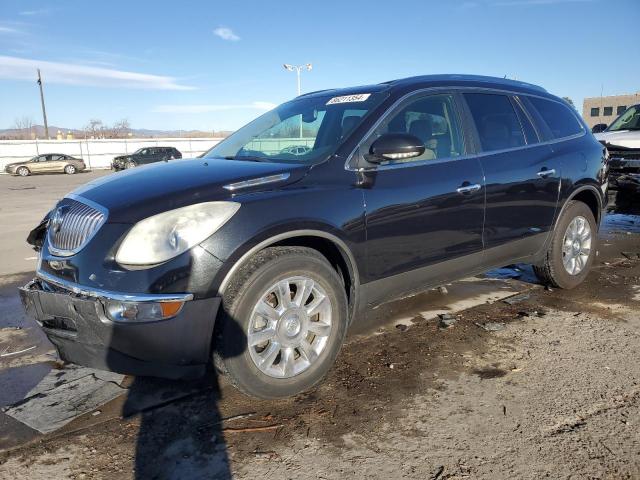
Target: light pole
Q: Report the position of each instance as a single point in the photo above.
(298, 69)
(44, 112)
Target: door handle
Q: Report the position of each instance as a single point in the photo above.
(544, 173)
(467, 189)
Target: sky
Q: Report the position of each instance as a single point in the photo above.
(215, 65)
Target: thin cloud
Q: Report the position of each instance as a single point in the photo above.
(11, 28)
(207, 108)
(16, 68)
(520, 3)
(33, 13)
(226, 34)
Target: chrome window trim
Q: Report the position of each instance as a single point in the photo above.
(105, 215)
(453, 89)
(105, 294)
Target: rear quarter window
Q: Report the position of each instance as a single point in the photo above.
(562, 122)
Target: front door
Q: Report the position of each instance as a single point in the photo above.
(424, 215)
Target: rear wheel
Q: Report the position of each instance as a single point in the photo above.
(69, 169)
(572, 250)
(23, 171)
(282, 324)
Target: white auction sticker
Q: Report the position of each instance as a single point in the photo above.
(358, 97)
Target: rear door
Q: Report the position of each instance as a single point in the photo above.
(424, 215)
(57, 163)
(522, 176)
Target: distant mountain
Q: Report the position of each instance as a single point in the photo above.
(38, 131)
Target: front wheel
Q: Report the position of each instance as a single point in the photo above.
(23, 171)
(130, 164)
(282, 324)
(572, 250)
(69, 169)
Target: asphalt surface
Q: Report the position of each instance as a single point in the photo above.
(527, 382)
(24, 201)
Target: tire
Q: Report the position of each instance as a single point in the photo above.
(553, 271)
(130, 164)
(233, 355)
(23, 172)
(69, 169)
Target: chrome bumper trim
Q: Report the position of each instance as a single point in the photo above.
(122, 297)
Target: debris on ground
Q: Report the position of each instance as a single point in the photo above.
(491, 326)
(443, 290)
(64, 395)
(632, 255)
(402, 327)
(9, 354)
(517, 299)
(446, 320)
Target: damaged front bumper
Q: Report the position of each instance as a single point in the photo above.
(76, 322)
(623, 162)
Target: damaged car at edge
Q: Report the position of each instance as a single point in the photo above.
(257, 257)
(622, 140)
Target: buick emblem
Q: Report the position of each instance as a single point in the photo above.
(57, 218)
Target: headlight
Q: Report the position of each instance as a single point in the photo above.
(166, 235)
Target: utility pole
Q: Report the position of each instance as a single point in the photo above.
(44, 111)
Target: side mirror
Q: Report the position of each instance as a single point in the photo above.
(395, 146)
(600, 127)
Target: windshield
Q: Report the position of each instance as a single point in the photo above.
(629, 120)
(304, 130)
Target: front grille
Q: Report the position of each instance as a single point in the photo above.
(71, 225)
(625, 154)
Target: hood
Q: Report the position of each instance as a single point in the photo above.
(144, 191)
(122, 157)
(622, 138)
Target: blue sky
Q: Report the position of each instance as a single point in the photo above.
(217, 64)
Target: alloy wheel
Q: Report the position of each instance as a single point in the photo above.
(576, 245)
(289, 327)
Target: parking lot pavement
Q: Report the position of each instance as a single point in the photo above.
(493, 377)
(24, 201)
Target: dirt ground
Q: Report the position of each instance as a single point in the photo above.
(543, 385)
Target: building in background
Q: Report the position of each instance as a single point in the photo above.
(605, 110)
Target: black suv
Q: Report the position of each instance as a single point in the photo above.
(145, 155)
(261, 255)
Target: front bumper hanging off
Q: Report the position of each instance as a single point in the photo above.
(75, 321)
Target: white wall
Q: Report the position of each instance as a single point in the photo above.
(98, 153)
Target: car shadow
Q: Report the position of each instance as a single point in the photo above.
(181, 427)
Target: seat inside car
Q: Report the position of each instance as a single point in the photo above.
(423, 130)
(494, 132)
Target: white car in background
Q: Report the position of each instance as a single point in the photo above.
(622, 139)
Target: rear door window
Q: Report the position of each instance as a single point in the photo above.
(562, 122)
(496, 121)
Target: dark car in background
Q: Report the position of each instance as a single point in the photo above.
(144, 156)
(257, 259)
(47, 163)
